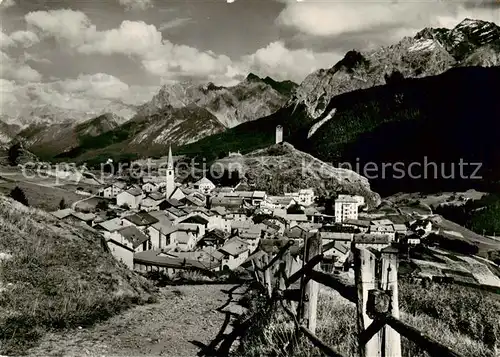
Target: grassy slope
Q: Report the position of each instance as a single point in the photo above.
(61, 277)
(466, 320)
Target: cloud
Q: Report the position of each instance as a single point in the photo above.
(5, 40)
(326, 18)
(25, 38)
(136, 39)
(83, 97)
(136, 4)
(7, 3)
(174, 23)
(35, 58)
(72, 28)
(17, 70)
(281, 63)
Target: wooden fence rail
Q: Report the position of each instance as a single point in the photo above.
(375, 294)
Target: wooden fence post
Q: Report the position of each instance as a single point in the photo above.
(311, 289)
(267, 275)
(285, 263)
(364, 274)
(389, 281)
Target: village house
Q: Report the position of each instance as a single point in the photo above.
(362, 225)
(239, 215)
(335, 254)
(140, 241)
(383, 230)
(153, 202)
(185, 236)
(304, 197)
(130, 198)
(227, 202)
(160, 231)
(213, 238)
(295, 232)
(175, 213)
(422, 226)
(141, 220)
(172, 202)
(295, 219)
(204, 185)
(149, 187)
(251, 235)
(122, 251)
(376, 241)
(359, 199)
(69, 215)
(277, 202)
(235, 252)
(196, 199)
(346, 207)
(111, 190)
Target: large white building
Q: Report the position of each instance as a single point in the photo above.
(304, 197)
(346, 207)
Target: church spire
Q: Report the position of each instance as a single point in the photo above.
(170, 162)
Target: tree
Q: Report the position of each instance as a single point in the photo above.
(14, 153)
(102, 205)
(18, 194)
(394, 78)
(62, 204)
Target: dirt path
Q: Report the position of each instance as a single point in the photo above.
(184, 322)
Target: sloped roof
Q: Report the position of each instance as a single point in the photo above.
(133, 235)
(83, 216)
(157, 196)
(372, 239)
(234, 246)
(221, 211)
(111, 225)
(141, 219)
(62, 213)
(337, 236)
(195, 219)
(204, 181)
(176, 212)
(357, 222)
(133, 191)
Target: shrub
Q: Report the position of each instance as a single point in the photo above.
(18, 194)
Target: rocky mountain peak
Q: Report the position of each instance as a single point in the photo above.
(430, 52)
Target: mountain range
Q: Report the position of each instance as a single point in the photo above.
(425, 91)
(178, 114)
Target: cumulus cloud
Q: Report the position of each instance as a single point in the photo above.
(136, 4)
(281, 63)
(70, 27)
(141, 41)
(25, 38)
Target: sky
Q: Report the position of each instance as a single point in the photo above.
(90, 53)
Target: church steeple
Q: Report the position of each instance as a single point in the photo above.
(170, 162)
(170, 184)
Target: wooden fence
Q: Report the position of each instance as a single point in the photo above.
(375, 293)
